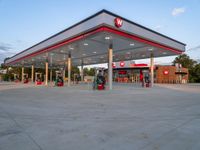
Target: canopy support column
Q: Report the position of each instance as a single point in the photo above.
(51, 73)
(110, 69)
(82, 73)
(64, 75)
(69, 69)
(152, 69)
(32, 73)
(22, 74)
(46, 72)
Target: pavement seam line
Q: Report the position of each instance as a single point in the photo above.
(28, 135)
(167, 133)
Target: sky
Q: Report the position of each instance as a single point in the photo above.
(24, 23)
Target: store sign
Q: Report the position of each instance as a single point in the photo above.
(166, 72)
(122, 63)
(113, 65)
(122, 72)
(139, 65)
(118, 22)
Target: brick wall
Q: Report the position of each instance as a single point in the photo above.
(171, 77)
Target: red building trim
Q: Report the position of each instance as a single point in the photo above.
(142, 40)
(97, 30)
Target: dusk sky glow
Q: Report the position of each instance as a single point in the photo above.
(24, 23)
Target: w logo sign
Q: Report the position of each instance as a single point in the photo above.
(118, 22)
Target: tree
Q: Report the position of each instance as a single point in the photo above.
(189, 63)
(195, 74)
(75, 70)
(6, 59)
(3, 66)
(86, 71)
(185, 61)
(91, 72)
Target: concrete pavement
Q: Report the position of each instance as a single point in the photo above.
(76, 118)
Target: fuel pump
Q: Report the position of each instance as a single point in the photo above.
(146, 79)
(38, 78)
(59, 79)
(99, 79)
(16, 77)
(25, 78)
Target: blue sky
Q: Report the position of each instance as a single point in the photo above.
(24, 23)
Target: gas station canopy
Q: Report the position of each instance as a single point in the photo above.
(88, 41)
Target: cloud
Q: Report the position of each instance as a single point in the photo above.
(6, 50)
(19, 41)
(4, 55)
(5, 47)
(178, 11)
(194, 48)
(158, 27)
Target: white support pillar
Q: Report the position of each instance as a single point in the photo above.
(82, 73)
(110, 69)
(69, 69)
(152, 69)
(46, 73)
(64, 75)
(51, 66)
(22, 74)
(51, 73)
(32, 73)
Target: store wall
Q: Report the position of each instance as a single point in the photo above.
(167, 74)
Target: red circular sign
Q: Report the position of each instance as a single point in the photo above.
(118, 22)
(122, 63)
(166, 72)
